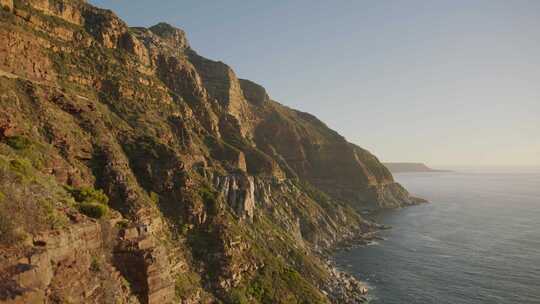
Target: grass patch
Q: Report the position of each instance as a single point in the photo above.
(18, 142)
(21, 166)
(30, 202)
(95, 264)
(8, 232)
(186, 284)
(154, 197)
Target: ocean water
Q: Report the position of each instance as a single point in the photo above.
(478, 241)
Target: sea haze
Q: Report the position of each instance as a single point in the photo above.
(478, 241)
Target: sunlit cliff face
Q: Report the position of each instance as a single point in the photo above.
(446, 83)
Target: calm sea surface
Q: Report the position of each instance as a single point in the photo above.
(478, 241)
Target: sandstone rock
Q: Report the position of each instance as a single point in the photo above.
(7, 4)
(22, 55)
(147, 268)
(58, 257)
(253, 92)
(66, 258)
(176, 37)
(240, 162)
(7, 129)
(68, 10)
(223, 85)
(130, 43)
(104, 26)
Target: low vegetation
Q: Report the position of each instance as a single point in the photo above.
(29, 201)
(91, 202)
(210, 198)
(18, 142)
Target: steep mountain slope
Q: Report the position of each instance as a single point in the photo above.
(135, 170)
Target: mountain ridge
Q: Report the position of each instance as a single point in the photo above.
(150, 174)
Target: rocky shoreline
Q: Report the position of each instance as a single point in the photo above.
(344, 287)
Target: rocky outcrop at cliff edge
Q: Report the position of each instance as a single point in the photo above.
(73, 264)
(134, 170)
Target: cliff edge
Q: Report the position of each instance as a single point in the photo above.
(134, 170)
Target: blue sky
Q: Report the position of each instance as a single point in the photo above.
(453, 82)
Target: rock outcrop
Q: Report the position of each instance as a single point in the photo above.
(7, 4)
(209, 190)
(253, 92)
(64, 265)
(67, 10)
(239, 192)
(173, 36)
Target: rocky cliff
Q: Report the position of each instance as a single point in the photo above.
(134, 170)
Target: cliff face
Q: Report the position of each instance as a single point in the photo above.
(133, 170)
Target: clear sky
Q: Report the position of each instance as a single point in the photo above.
(453, 82)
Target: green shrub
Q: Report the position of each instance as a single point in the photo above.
(292, 276)
(184, 228)
(154, 197)
(89, 195)
(209, 197)
(92, 202)
(237, 296)
(123, 224)
(18, 142)
(21, 166)
(255, 290)
(186, 284)
(94, 210)
(95, 264)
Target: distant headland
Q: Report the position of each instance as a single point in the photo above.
(410, 167)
